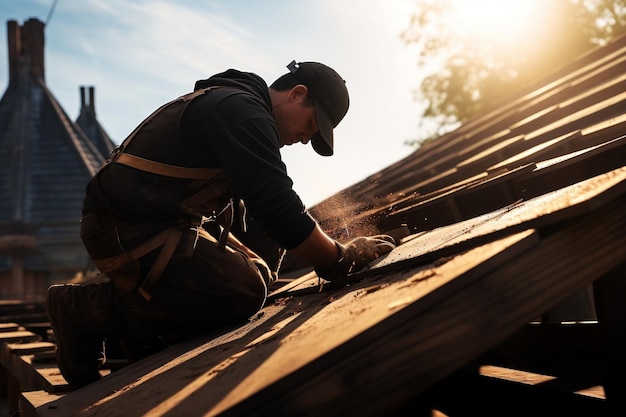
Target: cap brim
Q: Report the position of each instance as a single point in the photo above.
(322, 141)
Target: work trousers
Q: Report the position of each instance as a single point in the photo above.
(202, 287)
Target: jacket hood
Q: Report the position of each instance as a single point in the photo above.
(246, 81)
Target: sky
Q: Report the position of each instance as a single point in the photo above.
(139, 54)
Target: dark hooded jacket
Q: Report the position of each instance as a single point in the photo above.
(230, 129)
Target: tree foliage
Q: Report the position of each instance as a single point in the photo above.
(468, 75)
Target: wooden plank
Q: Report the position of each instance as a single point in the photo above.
(493, 392)
(291, 342)
(163, 368)
(33, 347)
(18, 336)
(571, 168)
(499, 191)
(464, 158)
(537, 119)
(36, 374)
(401, 360)
(15, 382)
(497, 152)
(10, 349)
(542, 211)
(536, 153)
(566, 203)
(480, 310)
(582, 118)
(30, 401)
(386, 338)
(9, 327)
(533, 378)
(414, 174)
(438, 209)
(20, 312)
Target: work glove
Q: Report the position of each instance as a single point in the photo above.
(357, 254)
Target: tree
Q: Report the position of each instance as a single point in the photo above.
(470, 71)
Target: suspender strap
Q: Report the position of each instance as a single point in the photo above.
(119, 150)
(155, 167)
(171, 242)
(167, 240)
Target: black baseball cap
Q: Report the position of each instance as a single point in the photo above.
(330, 95)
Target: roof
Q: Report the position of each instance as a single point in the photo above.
(512, 221)
(580, 105)
(46, 161)
(89, 123)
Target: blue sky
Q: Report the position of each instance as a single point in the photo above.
(138, 54)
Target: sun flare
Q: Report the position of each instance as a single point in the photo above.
(507, 19)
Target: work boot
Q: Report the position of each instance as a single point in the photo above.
(81, 318)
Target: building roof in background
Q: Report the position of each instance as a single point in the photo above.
(89, 123)
(46, 160)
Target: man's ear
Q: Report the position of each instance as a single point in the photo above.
(298, 92)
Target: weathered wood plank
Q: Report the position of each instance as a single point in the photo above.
(496, 191)
(539, 212)
(571, 168)
(18, 336)
(299, 334)
(496, 392)
(10, 349)
(30, 401)
(402, 359)
(533, 378)
(387, 338)
(422, 338)
(35, 375)
(9, 327)
(15, 383)
(542, 211)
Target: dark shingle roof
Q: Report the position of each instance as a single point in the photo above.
(45, 162)
(88, 122)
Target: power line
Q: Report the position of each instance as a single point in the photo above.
(54, 5)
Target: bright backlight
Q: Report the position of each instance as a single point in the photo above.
(505, 19)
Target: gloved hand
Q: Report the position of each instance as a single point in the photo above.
(357, 254)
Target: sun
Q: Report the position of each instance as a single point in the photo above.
(505, 19)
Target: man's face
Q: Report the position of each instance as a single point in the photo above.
(295, 117)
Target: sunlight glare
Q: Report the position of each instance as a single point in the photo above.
(505, 19)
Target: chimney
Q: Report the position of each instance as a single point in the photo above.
(82, 97)
(92, 103)
(15, 46)
(26, 48)
(85, 105)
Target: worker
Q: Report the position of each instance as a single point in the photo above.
(190, 217)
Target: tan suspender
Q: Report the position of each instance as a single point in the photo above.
(168, 239)
(165, 169)
(118, 155)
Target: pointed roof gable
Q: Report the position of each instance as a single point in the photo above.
(45, 161)
(89, 123)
